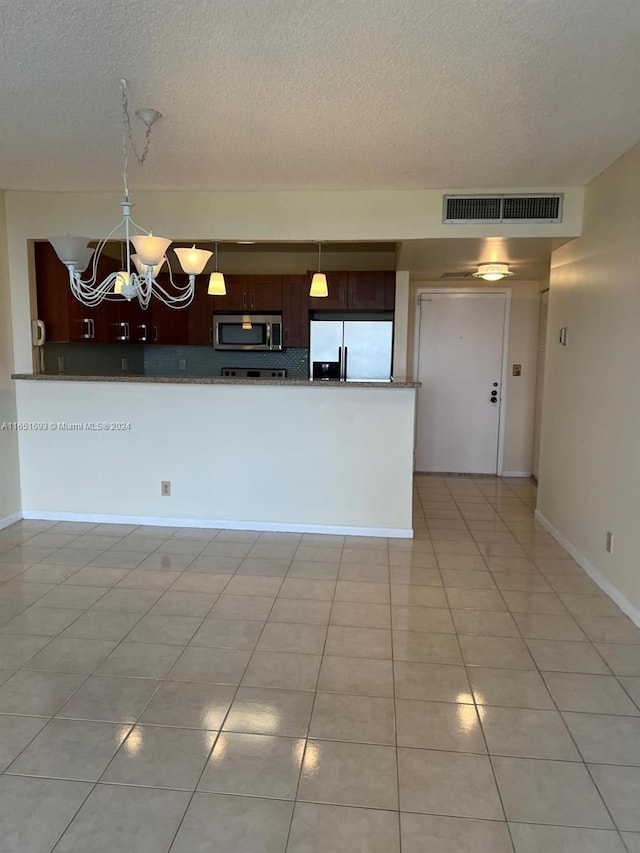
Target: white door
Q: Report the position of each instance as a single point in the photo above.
(461, 340)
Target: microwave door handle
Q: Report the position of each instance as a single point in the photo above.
(339, 362)
(268, 325)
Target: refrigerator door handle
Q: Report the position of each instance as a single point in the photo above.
(340, 362)
(346, 351)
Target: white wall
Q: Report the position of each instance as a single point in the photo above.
(9, 477)
(520, 390)
(337, 459)
(590, 448)
(331, 215)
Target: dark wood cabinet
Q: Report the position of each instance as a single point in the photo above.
(338, 287)
(357, 291)
(53, 293)
(256, 293)
(169, 326)
(200, 315)
(295, 310)
(371, 291)
(119, 321)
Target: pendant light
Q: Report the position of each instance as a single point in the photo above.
(217, 286)
(492, 272)
(319, 281)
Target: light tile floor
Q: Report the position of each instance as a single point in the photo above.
(470, 691)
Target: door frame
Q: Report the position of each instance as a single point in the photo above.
(472, 291)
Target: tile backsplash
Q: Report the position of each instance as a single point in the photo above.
(123, 359)
(205, 361)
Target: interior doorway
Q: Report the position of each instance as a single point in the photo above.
(460, 361)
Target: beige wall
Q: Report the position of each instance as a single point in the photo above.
(9, 476)
(590, 448)
(335, 215)
(520, 391)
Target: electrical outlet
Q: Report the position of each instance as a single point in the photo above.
(165, 488)
(609, 544)
(182, 364)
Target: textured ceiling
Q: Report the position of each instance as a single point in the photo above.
(301, 94)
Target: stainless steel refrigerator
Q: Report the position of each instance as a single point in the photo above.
(360, 349)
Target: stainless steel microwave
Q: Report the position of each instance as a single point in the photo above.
(247, 331)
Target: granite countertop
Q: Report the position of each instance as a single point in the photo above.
(212, 380)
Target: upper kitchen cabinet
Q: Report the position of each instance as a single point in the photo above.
(295, 310)
(52, 289)
(357, 290)
(372, 291)
(338, 287)
(200, 315)
(251, 293)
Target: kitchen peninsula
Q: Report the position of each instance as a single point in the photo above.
(284, 455)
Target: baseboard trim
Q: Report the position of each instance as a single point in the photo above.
(223, 524)
(8, 520)
(595, 574)
(516, 473)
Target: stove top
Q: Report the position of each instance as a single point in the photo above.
(255, 372)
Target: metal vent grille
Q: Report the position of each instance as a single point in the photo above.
(502, 208)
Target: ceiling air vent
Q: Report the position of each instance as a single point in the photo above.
(502, 208)
(461, 274)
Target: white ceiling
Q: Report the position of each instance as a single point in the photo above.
(292, 94)
(529, 258)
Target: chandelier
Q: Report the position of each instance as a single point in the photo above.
(150, 252)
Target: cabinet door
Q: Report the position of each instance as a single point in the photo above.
(367, 291)
(237, 296)
(200, 315)
(129, 323)
(52, 292)
(295, 310)
(338, 286)
(168, 325)
(390, 290)
(265, 292)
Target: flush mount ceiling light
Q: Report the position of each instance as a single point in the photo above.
(319, 281)
(492, 272)
(150, 252)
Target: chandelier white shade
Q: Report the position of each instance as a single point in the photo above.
(492, 272)
(150, 251)
(217, 286)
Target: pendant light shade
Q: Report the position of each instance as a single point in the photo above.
(319, 285)
(492, 272)
(217, 286)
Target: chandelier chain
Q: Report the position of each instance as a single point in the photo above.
(128, 142)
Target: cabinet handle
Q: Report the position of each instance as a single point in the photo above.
(244, 300)
(127, 331)
(93, 329)
(155, 334)
(87, 329)
(143, 334)
(124, 331)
